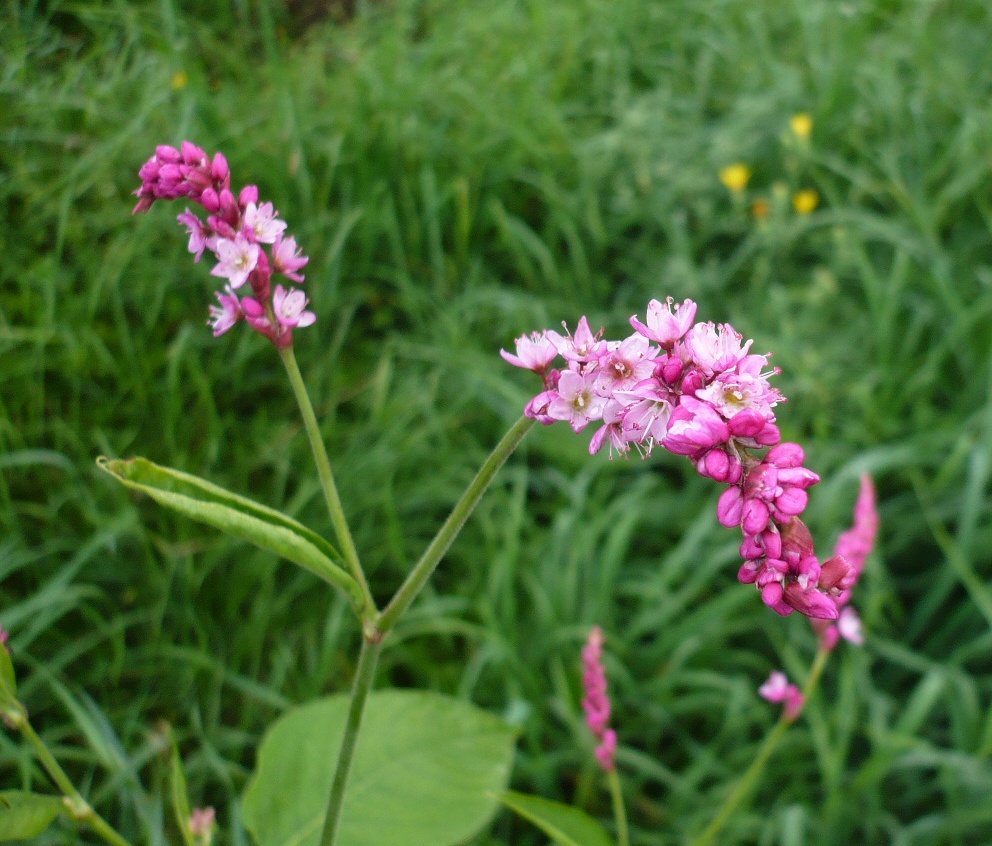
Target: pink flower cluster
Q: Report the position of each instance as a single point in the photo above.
(854, 546)
(778, 689)
(696, 390)
(235, 231)
(596, 702)
(202, 823)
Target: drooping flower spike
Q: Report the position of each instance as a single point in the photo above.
(237, 231)
(696, 390)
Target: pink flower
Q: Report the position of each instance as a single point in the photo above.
(289, 308)
(263, 223)
(664, 325)
(201, 236)
(577, 402)
(202, 823)
(582, 347)
(237, 259)
(596, 701)
(286, 258)
(778, 689)
(534, 352)
(715, 348)
(621, 368)
(743, 388)
(224, 316)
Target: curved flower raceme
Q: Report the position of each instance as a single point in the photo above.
(696, 390)
(237, 231)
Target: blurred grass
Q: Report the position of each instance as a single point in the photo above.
(460, 174)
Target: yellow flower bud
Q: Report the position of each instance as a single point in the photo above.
(801, 125)
(805, 201)
(735, 177)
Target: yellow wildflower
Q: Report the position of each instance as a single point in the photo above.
(805, 201)
(179, 80)
(802, 126)
(760, 208)
(735, 177)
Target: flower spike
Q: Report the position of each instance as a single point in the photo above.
(237, 232)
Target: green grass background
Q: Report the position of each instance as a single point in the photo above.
(461, 173)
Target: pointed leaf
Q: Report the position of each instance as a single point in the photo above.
(26, 815)
(208, 503)
(428, 771)
(565, 825)
(180, 800)
(8, 681)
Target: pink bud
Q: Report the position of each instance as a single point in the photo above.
(746, 423)
(786, 455)
(836, 574)
(249, 194)
(810, 602)
(669, 368)
(791, 502)
(229, 208)
(769, 435)
(755, 516)
(193, 155)
(219, 170)
(210, 200)
(730, 507)
(167, 155)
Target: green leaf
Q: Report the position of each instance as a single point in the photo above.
(8, 681)
(180, 800)
(26, 815)
(428, 771)
(565, 825)
(201, 500)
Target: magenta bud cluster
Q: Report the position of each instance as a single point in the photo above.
(247, 239)
(596, 701)
(696, 390)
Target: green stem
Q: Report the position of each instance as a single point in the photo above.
(748, 780)
(360, 687)
(79, 808)
(619, 809)
(339, 521)
(452, 526)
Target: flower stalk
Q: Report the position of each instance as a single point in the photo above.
(338, 519)
(432, 556)
(360, 687)
(750, 778)
(79, 809)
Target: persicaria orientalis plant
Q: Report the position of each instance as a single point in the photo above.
(694, 389)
